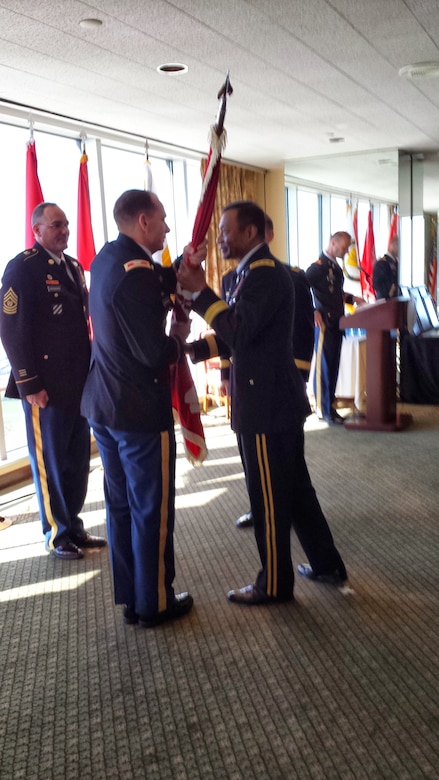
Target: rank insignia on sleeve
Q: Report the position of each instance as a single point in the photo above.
(10, 302)
(131, 264)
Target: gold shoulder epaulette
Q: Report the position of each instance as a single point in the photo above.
(261, 263)
(295, 268)
(131, 264)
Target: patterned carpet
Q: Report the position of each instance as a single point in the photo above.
(335, 685)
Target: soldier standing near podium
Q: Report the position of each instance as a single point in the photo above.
(385, 273)
(325, 277)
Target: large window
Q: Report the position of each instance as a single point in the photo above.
(304, 226)
(113, 167)
(313, 215)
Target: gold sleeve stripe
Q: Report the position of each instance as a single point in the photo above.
(261, 263)
(214, 310)
(306, 364)
(224, 363)
(28, 379)
(211, 343)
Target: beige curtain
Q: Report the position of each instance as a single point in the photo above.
(234, 183)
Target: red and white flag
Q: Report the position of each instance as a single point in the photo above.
(34, 193)
(368, 261)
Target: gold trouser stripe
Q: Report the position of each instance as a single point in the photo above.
(42, 474)
(270, 528)
(162, 602)
(318, 382)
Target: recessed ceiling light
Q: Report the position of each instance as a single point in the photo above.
(172, 68)
(89, 23)
(420, 70)
(336, 140)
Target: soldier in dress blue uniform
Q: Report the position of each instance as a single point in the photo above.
(303, 328)
(269, 405)
(325, 277)
(127, 399)
(385, 273)
(44, 330)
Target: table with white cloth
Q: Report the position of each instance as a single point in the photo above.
(351, 381)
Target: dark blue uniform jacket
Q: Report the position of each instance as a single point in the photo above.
(44, 327)
(128, 387)
(267, 391)
(326, 279)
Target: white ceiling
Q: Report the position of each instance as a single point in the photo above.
(303, 72)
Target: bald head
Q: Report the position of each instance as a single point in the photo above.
(339, 244)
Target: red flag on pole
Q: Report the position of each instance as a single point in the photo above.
(85, 245)
(432, 271)
(34, 194)
(368, 261)
(185, 404)
(393, 232)
(218, 139)
(183, 390)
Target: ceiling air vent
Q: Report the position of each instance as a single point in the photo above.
(420, 71)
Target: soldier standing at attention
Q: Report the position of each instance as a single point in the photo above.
(44, 330)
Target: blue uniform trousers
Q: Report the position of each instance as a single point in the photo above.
(282, 495)
(327, 347)
(59, 453)
(139, 485)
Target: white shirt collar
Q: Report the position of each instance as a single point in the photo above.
(145, 250)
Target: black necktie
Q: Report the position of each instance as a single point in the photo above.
(64, 264)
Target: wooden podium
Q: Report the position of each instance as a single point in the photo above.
(379, 319)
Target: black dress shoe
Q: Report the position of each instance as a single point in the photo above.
(130, 616)
(251, 595)
(334, 419)
(87, 541)
(333, 578)
(68, 550)
(181, 606)
(245, 521)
